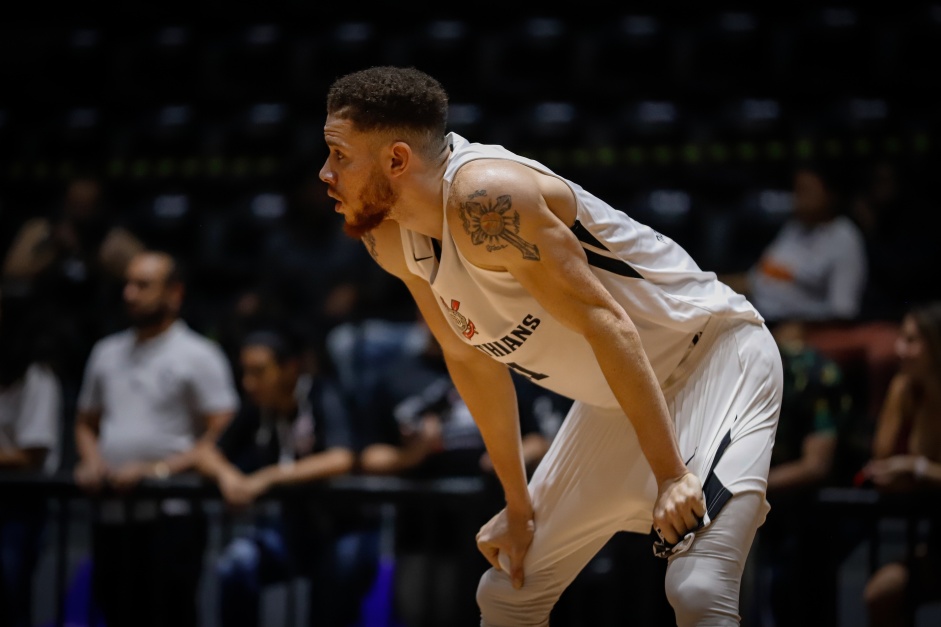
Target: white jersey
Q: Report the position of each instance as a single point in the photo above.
(668, 297)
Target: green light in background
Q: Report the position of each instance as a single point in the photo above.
(747, 151)
(775, 150)
(804, 148)
(921, 143)
(635, 155)
(165, 167)
(863, 146)
(892, 145)
(215, 166)
(240, 166)
(719, 152)
(606, 156)
(190, 166)
(140, 168)
(116, 168)
(833, 147)
(555, 157)
(663, 154)
(267, 165)
(692, 153)
(581, 157)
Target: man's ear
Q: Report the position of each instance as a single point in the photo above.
(401, 156)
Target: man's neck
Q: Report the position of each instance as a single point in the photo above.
(421, 207)
(148, 333)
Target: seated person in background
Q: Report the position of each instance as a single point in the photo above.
(293, 428)
(788, 557)
(30, 426)
(420, 427)
(906, 457)
(815, 269)
(812, 278)
(150, 397)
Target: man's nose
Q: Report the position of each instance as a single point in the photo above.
(326, 175)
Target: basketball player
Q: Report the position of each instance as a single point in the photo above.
(676, 380)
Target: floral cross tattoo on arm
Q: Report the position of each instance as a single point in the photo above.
(495, 224)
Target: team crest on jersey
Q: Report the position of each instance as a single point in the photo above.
(466, 327)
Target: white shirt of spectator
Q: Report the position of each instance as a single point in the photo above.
(830, 272)
(153, 395)
(30, 414)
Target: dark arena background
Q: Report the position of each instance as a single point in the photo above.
(200, 125)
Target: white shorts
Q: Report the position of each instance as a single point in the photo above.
(595, 480)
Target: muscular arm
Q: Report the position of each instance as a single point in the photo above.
(501, 220)
(485, 385)
(547, 259)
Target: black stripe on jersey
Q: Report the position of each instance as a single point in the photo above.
(617, 266)
(585, 236)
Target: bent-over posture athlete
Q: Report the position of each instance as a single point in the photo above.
(676, 380)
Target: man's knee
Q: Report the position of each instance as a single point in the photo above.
(503, 606)
(699, 599)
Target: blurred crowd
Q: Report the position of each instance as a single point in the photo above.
(285, 356)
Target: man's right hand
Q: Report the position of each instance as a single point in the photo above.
(90, 475)
(511, 536)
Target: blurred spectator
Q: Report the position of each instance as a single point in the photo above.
(30, 433)
(74, 262)
(420, 427)
(890, 211)
(906, 458)
(150, 396)
(294, 428)
(815, 269)
(789, 559)
(313, 273)
(811, 280)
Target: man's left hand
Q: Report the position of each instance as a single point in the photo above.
(679, 508)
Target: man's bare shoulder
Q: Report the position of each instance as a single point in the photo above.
(508, 176)
(529, 189)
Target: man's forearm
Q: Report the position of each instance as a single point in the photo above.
(487, 389)
(209, 461)
(627, 370)
(389, 459)
(329, 463)
(86, 442)
(14, 459)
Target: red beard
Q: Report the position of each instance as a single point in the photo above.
(377, 200)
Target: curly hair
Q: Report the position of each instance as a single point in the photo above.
(399, 99)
